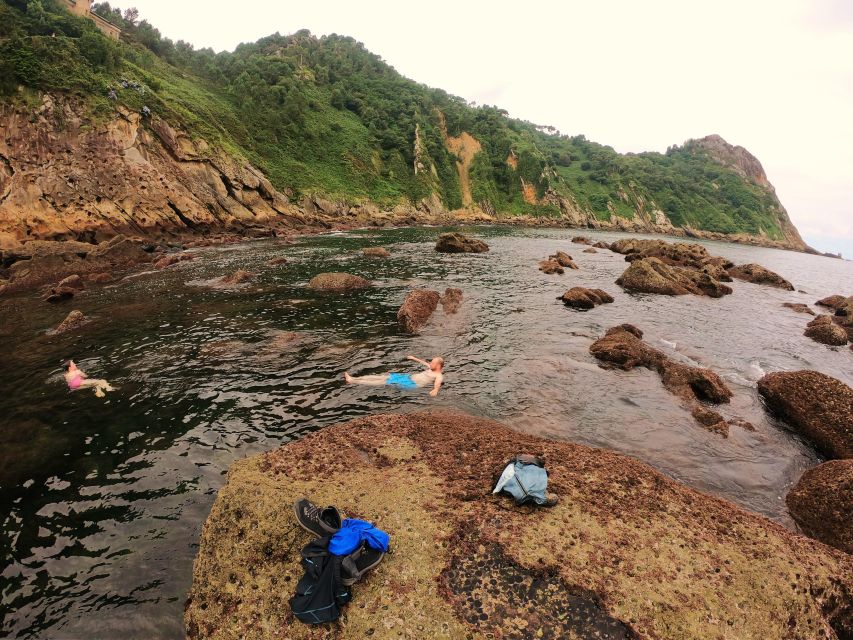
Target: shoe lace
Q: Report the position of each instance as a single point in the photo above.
(312, 511)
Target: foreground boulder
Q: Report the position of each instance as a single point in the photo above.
(822, 503)
(626, 553)
(623, 346)
(417, 308)
(376, 252)
(823, 330)
(757, 274)
(335, 281)
(458, 243)
(816, 405)
(651, 275)
(584, 299)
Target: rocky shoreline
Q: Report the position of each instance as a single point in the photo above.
(627, 550)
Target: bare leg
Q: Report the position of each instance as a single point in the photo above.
(99, 384)
(374, 380)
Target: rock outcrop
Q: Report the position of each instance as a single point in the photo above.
(818, 406)
(417, 309)
(336, 281)
(833, 302)
(623, 346)
(627, 552)
(823, 330)
(125, 175)
(74, 320)
(651, 275)
(550, 267)
(584, 299)
(563, 259)
(376, 252)
(822, 503)
(459, 243)
(757, 274)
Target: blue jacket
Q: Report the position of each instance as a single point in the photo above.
(351, 534)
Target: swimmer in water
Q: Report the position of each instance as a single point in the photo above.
(76, 379)
(432, 376)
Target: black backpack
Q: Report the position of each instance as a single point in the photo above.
(320, 593)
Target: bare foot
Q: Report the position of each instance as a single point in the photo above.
(347, 377)
(99, 392)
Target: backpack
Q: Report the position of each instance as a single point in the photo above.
(320, 593)
(525, 478)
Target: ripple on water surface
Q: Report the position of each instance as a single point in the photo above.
(103, 500)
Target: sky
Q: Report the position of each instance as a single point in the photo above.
(774, 76)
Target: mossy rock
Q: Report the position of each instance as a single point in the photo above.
(626, 553)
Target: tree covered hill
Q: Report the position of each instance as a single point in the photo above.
(325, 115)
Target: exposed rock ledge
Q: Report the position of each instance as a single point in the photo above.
(626, 550)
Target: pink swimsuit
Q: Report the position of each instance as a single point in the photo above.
(74, 383)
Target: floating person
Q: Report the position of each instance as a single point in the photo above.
(432, 376)
(77, 379)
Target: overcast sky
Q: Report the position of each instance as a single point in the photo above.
(775, 76)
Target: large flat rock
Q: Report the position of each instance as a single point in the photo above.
(627, 552)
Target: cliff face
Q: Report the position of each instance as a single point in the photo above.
(62, 178)
(742, 161)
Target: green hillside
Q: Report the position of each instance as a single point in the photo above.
(323, 114)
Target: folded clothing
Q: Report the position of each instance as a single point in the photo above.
(352, 533)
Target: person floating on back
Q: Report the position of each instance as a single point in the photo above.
(77, 379)
(432, 376)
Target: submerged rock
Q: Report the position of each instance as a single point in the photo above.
(458, 243)
(822, 503)
(583, 298)
(276, 262)
(450, 300)
(581, 240)
(589, 250)
(601, 245)
(417, 308)
(73, 320)
(627, 552)
(376, 252)
(823, 330)
(817, 405)
(238, 277)
(335, 281)
(173, 258)
(623, 346)
(651, 275)
(799, 307)
(757, 274)
(100, 278)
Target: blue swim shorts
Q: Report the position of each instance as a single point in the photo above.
(402, 380)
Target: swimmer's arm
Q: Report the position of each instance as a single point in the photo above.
(438, 380)
(418, 360)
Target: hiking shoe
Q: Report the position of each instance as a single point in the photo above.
(320, 522)
(359, 562)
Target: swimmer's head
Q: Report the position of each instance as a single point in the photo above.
(69, 365)
(437, 364)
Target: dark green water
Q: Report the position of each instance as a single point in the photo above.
(101, 501)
